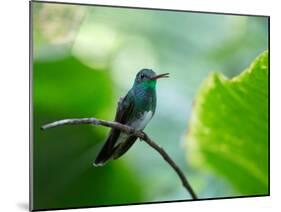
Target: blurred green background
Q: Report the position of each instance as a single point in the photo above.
(86, 57)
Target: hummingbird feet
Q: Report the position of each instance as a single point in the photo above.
(145, 137)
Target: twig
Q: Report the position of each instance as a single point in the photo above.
(129, 130)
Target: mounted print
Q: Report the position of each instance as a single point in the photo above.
(139, 105)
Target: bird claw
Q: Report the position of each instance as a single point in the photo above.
(144, 136)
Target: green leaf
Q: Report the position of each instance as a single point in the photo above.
(228, 130)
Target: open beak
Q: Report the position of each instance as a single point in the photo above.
(166, 75)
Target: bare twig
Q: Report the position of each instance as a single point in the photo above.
(129, 130)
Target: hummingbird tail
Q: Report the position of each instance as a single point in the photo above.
(105, 153)
(121, 149)
(112, 151)
(101, 160)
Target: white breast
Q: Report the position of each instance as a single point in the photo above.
(142, 121)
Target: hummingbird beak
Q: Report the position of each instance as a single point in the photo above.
(166, 75)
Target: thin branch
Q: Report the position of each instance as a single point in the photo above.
(129, 130)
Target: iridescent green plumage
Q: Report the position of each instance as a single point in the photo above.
(135, 109)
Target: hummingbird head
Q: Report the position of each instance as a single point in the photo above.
(147, 75)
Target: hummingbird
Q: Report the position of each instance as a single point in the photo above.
(135, 110)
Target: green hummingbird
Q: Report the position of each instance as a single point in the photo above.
(135, 110)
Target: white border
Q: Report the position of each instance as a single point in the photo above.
(14, 115)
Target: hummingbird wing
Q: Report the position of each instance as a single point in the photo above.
(124, 110)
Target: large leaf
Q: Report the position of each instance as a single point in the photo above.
(229, 128)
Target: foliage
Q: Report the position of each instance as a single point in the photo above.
(63, 157)
(229, 127)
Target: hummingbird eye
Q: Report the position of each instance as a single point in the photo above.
(142, 76)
